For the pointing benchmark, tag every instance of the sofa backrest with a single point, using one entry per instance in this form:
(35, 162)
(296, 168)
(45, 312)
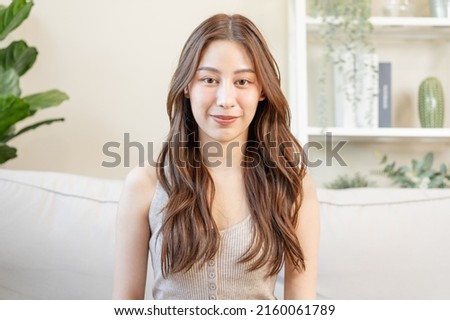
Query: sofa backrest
(384, 244)
(57, 240)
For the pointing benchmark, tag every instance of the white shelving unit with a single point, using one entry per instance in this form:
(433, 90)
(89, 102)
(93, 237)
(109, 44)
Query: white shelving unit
(380, 133)
(402, 27)
(397, 28)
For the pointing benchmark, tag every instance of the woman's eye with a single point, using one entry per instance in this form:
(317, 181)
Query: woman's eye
(209, 80)
(242, 82)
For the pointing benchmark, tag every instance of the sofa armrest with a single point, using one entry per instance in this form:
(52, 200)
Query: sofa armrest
(57, 235)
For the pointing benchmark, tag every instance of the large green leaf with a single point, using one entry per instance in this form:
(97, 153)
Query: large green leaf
(32, 127)
(12, 110)
(7, 153)
(19, 56)
(46, 99)
(12, 16)
(9, 82)
(6, 135)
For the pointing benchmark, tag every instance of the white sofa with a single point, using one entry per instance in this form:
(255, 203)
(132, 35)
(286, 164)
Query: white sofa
(57, 240)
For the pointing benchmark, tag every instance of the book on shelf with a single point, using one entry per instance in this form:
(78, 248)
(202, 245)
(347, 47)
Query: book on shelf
(356, 90)
(384, 95)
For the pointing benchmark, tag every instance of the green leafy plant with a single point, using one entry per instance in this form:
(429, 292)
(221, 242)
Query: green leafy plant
(346, 32)
(345, 182)
(15, 60)
(419, 175)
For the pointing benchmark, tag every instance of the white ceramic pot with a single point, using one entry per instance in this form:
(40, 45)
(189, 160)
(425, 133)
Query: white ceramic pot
(439, 8)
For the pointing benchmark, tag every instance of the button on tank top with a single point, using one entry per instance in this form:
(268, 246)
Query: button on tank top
(220, 278)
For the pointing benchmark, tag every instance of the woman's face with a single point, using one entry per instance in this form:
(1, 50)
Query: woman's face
(224, 93)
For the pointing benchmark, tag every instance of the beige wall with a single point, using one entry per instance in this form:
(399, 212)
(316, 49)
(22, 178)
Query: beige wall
(115, 59)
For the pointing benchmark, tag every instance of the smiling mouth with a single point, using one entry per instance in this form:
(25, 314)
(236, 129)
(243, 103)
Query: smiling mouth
(223, 120)
(224, 117)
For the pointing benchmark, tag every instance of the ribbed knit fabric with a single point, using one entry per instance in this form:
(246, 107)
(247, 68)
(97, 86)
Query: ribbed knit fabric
(221, 278)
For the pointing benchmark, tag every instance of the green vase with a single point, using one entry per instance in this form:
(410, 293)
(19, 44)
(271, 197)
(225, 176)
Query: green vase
(431, 103)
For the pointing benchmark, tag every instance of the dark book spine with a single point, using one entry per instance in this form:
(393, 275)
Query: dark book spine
(384, 95)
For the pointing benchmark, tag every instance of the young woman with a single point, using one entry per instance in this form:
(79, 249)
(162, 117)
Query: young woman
(230, 202)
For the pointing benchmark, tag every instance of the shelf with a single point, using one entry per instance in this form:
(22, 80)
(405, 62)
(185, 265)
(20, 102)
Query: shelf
(416, 47)
(404, 27)
(381, 133)
(410, 22)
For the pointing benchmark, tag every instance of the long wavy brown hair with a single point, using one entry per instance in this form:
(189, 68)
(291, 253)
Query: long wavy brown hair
(273, 169)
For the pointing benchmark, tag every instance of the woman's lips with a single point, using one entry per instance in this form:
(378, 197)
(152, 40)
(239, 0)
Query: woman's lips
(224, 120)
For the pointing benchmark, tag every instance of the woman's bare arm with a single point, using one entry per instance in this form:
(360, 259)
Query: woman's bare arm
(303, 285)
(133, 234)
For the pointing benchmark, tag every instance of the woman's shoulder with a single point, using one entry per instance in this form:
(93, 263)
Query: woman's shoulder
(308, 183)
(139, 187)
(141, 178)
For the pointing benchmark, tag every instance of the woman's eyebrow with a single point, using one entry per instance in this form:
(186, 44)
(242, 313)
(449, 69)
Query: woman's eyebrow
(208, 69)
(245, 70)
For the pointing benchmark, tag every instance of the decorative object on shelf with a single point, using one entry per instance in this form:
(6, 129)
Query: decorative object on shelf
(356, 89)
(439, 8)
(15, 60)
(348, 48)
(384, 95)
(398, 8)
(431, 103)
(346, 182)
(419, 175)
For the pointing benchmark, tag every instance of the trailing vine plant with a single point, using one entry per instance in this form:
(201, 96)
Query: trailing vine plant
(345, 30)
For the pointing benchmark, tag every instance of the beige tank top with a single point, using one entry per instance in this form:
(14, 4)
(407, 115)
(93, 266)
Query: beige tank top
(220, 278)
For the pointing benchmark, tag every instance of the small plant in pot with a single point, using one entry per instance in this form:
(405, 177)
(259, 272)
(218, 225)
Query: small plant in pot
(346, 182)
(420, 174)
(15, 60)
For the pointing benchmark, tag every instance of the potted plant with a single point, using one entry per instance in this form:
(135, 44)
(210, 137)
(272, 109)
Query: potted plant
(346, 32)
(15, 60)
(421, 174)
(345, 182)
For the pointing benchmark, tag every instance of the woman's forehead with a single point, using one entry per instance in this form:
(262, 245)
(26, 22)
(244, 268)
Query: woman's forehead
(226, 54)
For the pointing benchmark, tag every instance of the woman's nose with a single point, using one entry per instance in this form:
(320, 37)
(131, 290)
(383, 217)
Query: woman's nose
(226, 95)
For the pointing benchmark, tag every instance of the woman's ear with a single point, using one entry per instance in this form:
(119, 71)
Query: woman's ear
(186, 93)
(262, 96)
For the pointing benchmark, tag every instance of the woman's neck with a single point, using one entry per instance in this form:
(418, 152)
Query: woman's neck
(222, 156)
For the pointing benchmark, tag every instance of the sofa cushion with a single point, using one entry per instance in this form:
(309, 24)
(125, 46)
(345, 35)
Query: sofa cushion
(57, 240)
(56, 235)
(384, 244)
